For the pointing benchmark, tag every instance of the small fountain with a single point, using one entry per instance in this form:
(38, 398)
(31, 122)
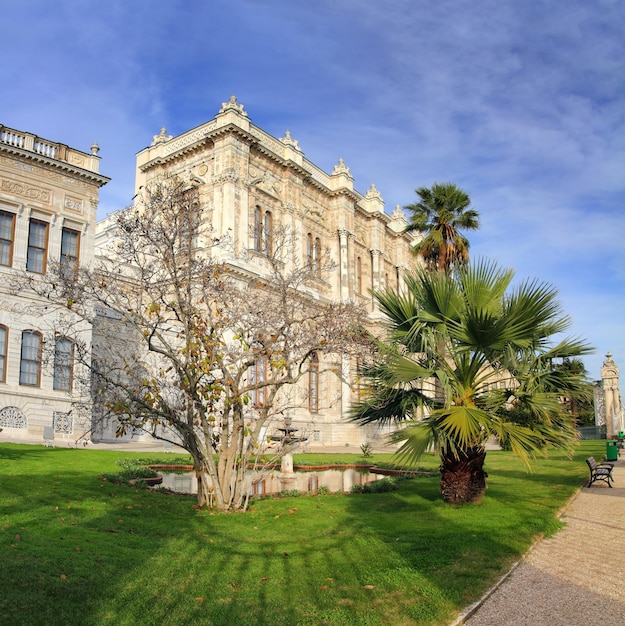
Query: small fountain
(289, 440)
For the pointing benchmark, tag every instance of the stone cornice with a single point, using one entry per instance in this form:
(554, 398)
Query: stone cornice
(57, 164)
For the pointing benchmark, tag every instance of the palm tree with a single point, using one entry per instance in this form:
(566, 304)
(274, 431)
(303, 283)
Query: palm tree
(440, 214)
(490, 353)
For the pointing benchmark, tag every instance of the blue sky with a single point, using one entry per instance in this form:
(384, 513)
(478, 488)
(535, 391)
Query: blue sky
(522, 104)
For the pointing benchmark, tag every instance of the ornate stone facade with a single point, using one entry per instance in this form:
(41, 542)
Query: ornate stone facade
(242, 173)
(48, 199)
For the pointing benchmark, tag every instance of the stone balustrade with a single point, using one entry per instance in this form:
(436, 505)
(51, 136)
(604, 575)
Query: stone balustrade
(50, 149)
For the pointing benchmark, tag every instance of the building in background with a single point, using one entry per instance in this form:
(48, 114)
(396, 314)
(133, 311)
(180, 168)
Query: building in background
(48, 200)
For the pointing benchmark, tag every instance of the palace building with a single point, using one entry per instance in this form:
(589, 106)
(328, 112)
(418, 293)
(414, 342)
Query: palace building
(48, 202)
(250, 185)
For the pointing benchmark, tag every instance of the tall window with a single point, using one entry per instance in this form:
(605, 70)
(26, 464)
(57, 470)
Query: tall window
(30, 362)
(358, 275)
(4, 336)
(313, 384)
(63, 364)
(70, 245)
(267, 231)
(258, 229)
(37, 246)
(258, 374)
(7, 232)
(263, 230)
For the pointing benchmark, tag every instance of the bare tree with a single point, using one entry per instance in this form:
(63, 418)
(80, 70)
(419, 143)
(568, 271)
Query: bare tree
(193, 350)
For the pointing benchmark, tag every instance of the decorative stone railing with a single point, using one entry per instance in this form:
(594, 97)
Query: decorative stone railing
(50, 149)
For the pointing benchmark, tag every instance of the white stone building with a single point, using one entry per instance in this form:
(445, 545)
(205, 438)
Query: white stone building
(48, 201)
(251, 183)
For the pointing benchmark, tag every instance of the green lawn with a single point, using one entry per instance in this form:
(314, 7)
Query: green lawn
(75, 549)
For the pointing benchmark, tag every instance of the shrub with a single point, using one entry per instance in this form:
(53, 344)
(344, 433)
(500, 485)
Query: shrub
(377, 486)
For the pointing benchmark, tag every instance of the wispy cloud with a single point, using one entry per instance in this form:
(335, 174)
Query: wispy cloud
(520, 103)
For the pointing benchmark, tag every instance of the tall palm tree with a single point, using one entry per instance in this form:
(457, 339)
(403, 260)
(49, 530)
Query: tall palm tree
(464, 358)
(440, 214)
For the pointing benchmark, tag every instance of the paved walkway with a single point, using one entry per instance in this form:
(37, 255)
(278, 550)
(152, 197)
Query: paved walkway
(576, 577)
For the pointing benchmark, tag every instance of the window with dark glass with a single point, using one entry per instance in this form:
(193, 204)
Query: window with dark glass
(258, 229)
(63, 364)
(258, 374)
(267, 233)
(263, 231)
(7, 233)
(30, 361)
(70, 245)
(37, 246)
(313, 384)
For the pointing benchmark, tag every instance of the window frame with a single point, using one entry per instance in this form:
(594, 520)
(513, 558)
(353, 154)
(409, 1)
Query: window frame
(43, 250)
(313, 383)
(4, 350)
(7, 243)
(258, 228)
(24, 360)
(259, 374)
(63, 371)
(70, 262)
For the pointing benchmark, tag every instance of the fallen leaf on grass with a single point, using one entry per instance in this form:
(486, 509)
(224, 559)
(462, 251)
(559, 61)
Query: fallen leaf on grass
(63, 577)
(368, 586)
(199, 599)
(17, 537)
(265, 578)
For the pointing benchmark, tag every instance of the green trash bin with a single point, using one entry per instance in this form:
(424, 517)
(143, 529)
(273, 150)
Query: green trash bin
(611, 450)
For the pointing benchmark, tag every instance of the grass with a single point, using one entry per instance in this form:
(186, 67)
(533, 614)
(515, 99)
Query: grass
(77, 549)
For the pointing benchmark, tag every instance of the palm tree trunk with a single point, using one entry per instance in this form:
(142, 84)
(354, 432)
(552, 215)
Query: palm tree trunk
(463, 479)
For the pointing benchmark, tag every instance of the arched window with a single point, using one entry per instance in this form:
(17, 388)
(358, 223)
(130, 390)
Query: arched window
(313, 384)
(263, 229)
(258, 229)
(4, 342)
(309, 251)
(267, 232)
(258, 374)
(30, 361)
(63, 364)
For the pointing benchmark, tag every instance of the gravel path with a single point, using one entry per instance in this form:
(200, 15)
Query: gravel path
(576, 577)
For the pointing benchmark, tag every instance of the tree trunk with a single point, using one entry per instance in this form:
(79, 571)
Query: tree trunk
(463, 480)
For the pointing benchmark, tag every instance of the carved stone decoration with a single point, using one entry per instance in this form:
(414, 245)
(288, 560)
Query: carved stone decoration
(233, 105)
(341, 168)
(162, 137)
(12, 417)
(287, 140)
(62, 422)
(26, 191)
(613, 413)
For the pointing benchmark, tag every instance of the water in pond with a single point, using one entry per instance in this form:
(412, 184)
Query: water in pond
(275, 482)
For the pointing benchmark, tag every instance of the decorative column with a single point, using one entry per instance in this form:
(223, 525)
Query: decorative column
(375, 272)
(344, 263)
